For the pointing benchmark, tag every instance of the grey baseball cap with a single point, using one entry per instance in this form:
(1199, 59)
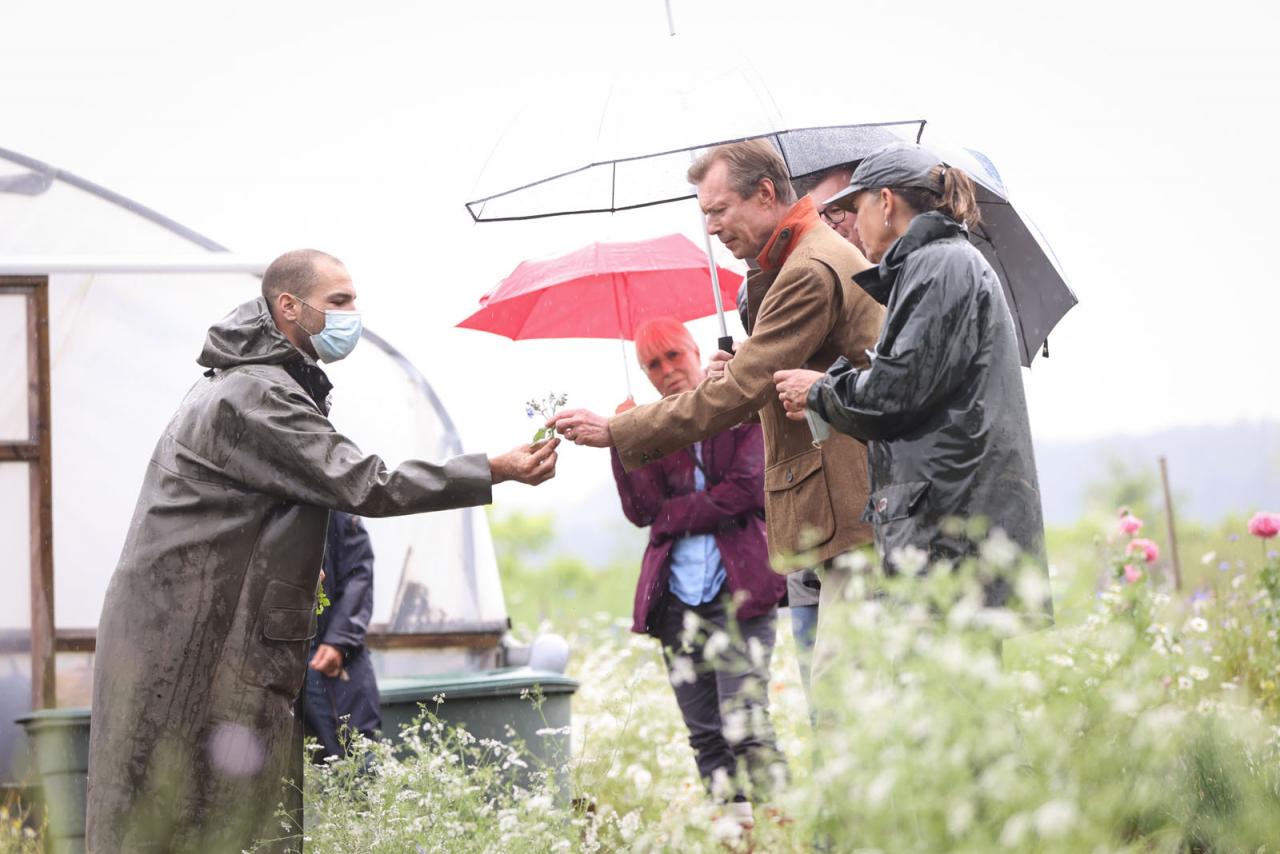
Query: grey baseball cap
(898, 164)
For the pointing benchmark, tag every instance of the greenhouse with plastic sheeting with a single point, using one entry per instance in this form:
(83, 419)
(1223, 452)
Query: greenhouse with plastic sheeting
(104, 305)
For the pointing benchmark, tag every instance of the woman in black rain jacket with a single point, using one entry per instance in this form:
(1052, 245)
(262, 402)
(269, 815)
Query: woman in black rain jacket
(941, 406)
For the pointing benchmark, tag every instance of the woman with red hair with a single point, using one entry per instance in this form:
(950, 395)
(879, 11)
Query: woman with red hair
(706, 567)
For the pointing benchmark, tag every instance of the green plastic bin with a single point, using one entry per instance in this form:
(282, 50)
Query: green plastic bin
(60, 742)
(487, 702)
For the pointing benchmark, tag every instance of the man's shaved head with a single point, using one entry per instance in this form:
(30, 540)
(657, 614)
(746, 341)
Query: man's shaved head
(295, 273)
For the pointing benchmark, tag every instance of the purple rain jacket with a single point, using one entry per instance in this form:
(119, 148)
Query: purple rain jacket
(662, 497)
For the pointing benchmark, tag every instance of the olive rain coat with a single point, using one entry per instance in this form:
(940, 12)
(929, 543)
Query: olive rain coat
(203, 641)
(942, 406)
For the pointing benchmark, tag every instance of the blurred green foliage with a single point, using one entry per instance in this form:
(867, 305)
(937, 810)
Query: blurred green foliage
(560, 589)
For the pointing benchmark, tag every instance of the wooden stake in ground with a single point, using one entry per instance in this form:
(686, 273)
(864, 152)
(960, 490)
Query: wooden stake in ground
(1173, 533)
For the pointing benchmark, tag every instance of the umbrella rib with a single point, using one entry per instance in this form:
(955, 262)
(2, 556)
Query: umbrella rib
(636, 206)
(616, 160)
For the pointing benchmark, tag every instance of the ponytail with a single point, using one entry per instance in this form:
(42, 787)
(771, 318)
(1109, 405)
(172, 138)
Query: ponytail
(958, 199)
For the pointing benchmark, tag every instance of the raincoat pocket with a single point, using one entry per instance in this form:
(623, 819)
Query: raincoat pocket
(894, 502)
(276, 653)
(895, 513)
(798, 503)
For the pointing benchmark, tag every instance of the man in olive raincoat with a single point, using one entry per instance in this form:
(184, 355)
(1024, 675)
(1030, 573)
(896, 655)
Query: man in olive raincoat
(203, 641)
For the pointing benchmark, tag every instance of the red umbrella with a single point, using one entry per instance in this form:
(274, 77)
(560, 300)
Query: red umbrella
(604, 290)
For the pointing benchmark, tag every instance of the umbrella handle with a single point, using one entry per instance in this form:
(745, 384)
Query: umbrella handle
(725, 343)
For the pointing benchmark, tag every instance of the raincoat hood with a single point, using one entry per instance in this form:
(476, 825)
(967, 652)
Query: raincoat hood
(247, 336)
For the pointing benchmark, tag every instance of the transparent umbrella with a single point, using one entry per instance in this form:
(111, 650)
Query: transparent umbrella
(634, 150)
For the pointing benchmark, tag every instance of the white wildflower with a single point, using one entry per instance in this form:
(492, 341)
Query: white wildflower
(721, 785)
(1208, 558)
(629, 825)
(962, 613)
(999, 550)
(1126, 703)
(880, 788)
(909, 560)
(1197, 673)
(682, 672)
(735, 726)
(1015, 830)
(1155, 725)
(755, 651)
(1032, 588)
(960, 818)
(1055, 818)
(1198, 624)
(540, 803)
(726, 830)
(689, 628)
(854, 562)
(640, 777)
(1064, 661)
(1237, 582)
(716, 644)
(999, 621)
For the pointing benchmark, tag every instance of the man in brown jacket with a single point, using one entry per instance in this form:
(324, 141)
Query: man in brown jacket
(803, 309)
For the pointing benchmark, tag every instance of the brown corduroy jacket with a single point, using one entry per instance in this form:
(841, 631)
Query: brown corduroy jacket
(804, 314)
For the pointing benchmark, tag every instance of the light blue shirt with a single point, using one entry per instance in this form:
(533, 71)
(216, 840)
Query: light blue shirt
(697, 570)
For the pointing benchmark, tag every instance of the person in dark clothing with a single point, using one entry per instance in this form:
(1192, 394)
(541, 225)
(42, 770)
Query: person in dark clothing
(342, 689)
(941, 405)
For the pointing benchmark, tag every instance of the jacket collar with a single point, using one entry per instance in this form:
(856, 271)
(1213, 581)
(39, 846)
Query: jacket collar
(801, 217)
(925, 228)
(314, 381)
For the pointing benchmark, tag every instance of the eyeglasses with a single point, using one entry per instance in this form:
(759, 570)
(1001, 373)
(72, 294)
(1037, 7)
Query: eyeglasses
(832, 214)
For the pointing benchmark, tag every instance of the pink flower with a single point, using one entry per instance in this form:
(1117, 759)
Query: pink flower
(1150, 551)
(1131, 573)
(1265, 525)
(1130, 524)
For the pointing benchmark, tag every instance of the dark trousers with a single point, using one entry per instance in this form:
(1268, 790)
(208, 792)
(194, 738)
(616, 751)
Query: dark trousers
(329, 704)
(724, 701)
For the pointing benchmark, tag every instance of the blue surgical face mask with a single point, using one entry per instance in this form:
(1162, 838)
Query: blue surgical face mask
(340, 335)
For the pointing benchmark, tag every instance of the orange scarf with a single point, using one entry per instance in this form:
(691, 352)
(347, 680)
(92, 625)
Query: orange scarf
(802, 216)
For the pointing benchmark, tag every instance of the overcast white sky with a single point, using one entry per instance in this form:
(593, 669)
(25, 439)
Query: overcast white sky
(1140, 136)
